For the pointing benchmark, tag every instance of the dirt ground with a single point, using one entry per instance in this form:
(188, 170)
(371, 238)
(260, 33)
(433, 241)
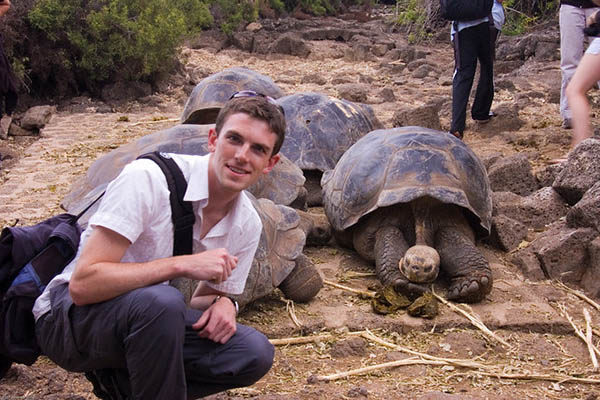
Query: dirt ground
(531, 350)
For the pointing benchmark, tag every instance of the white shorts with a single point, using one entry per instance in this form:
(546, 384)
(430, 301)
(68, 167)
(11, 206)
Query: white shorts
(594, 47)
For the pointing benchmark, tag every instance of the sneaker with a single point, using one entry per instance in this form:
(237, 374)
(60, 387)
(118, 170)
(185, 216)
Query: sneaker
(4, 125)
(567, 124)
(105, 386)
(485, 121)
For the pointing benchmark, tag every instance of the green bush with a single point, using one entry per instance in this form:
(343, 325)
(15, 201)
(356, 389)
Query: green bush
(522, 15)
(131, 39)
(235, 12)
(412, 17)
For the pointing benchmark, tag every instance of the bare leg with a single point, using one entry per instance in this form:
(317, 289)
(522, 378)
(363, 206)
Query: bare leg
(586, 75)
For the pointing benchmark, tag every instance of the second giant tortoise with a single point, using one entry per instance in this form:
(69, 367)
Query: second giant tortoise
(213, 92)
(279, 261)
(283, 185)
(319, 129)
(413, 200)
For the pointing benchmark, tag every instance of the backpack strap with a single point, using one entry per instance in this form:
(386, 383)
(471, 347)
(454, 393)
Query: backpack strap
(182, 213)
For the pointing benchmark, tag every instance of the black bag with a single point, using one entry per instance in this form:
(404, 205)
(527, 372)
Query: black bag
(465, 10)
(31, 256)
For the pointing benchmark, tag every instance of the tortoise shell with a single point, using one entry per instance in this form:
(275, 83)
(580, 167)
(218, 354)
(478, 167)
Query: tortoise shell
(283, 184)
(320, 128)
(214, 91)
(398, 165)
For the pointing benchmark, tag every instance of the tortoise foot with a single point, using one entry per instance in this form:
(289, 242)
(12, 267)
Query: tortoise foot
(303, 283)
(470, 289)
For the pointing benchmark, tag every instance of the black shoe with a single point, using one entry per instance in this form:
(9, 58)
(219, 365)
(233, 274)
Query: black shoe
(105, 384)
(486, 120)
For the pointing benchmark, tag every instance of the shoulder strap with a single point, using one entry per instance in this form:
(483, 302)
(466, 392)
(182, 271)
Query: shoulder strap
(182, 212)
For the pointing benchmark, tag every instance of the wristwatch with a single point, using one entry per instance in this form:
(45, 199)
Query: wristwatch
(235, 303)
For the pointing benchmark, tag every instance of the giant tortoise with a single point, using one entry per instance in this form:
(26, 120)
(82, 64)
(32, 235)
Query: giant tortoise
(319, 129)
(279, 261)
(283, 185)
(413, 200)
(212, 93)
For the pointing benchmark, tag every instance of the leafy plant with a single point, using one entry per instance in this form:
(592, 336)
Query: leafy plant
(130, 38)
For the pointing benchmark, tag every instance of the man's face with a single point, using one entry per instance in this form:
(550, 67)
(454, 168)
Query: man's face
(242, 151)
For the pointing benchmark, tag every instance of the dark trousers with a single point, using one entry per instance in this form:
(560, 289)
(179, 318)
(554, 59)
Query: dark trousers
(146, 334)
(10, 102)
(470, 45)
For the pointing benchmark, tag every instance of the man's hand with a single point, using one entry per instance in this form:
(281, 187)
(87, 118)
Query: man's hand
(214, 265)
(217, 323)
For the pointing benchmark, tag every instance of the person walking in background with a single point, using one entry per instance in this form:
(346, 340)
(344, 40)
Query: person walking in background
(586, 75)
(572, 20)
(8, 87)
(474, 40)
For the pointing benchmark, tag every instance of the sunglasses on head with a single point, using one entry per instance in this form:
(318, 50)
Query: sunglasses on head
(252, 93)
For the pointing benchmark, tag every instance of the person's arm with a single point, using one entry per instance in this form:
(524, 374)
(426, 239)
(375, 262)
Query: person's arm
(593, 19)
(100, 275)
(4, 7)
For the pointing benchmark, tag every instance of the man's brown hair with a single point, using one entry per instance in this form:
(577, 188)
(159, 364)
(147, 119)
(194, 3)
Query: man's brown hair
(257, 107)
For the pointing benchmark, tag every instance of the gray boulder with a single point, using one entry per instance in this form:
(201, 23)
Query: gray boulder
(586, 213)
(580, 172)
(590, 281)
(506, 233)
(36, 117)
(535, 211)
(513, 174)
(563, 252)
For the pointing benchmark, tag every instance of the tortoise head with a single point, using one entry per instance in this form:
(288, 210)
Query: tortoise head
(420, 264)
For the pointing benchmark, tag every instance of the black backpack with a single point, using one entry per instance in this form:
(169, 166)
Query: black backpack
(465, 10)
(31, 256)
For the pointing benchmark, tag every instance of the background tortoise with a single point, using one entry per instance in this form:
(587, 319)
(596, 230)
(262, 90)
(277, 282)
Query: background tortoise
(415, 186)
(278, 262)
(283, 185)
(319, 129)
(213, 92)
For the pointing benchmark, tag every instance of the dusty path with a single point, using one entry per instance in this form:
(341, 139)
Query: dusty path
(522, 314)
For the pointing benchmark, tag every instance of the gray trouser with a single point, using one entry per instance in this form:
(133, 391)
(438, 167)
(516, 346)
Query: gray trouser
(147, 334)
(572, 46)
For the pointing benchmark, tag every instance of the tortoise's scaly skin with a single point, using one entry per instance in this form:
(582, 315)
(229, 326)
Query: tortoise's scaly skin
(400, 187)
(319, 129)
(215, 90)
(278, 261)
(283, 185)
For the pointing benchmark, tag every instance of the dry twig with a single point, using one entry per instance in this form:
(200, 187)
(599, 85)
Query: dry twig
(588, 338)
(578, 294)
(578, 332)
(474, 320)
(156, 121)
(300, 340)
(360, 371)
(458, 362)
(349, 289)
(289, 306)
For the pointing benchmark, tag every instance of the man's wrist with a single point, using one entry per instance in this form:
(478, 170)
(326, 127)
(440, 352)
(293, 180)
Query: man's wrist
(235, 303)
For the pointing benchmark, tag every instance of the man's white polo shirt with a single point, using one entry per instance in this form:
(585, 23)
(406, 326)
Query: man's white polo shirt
(137, 206)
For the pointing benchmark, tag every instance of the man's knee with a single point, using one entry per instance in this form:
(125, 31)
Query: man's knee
(158, 303)
(261, 352)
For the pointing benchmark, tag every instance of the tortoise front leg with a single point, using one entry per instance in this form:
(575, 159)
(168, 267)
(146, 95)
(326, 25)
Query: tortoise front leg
(468, 270)
(390, 247)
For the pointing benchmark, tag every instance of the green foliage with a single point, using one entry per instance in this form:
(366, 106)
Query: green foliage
(137, 38)
(277, 5)
(235, 12)
(522, 15)
(412, 16)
